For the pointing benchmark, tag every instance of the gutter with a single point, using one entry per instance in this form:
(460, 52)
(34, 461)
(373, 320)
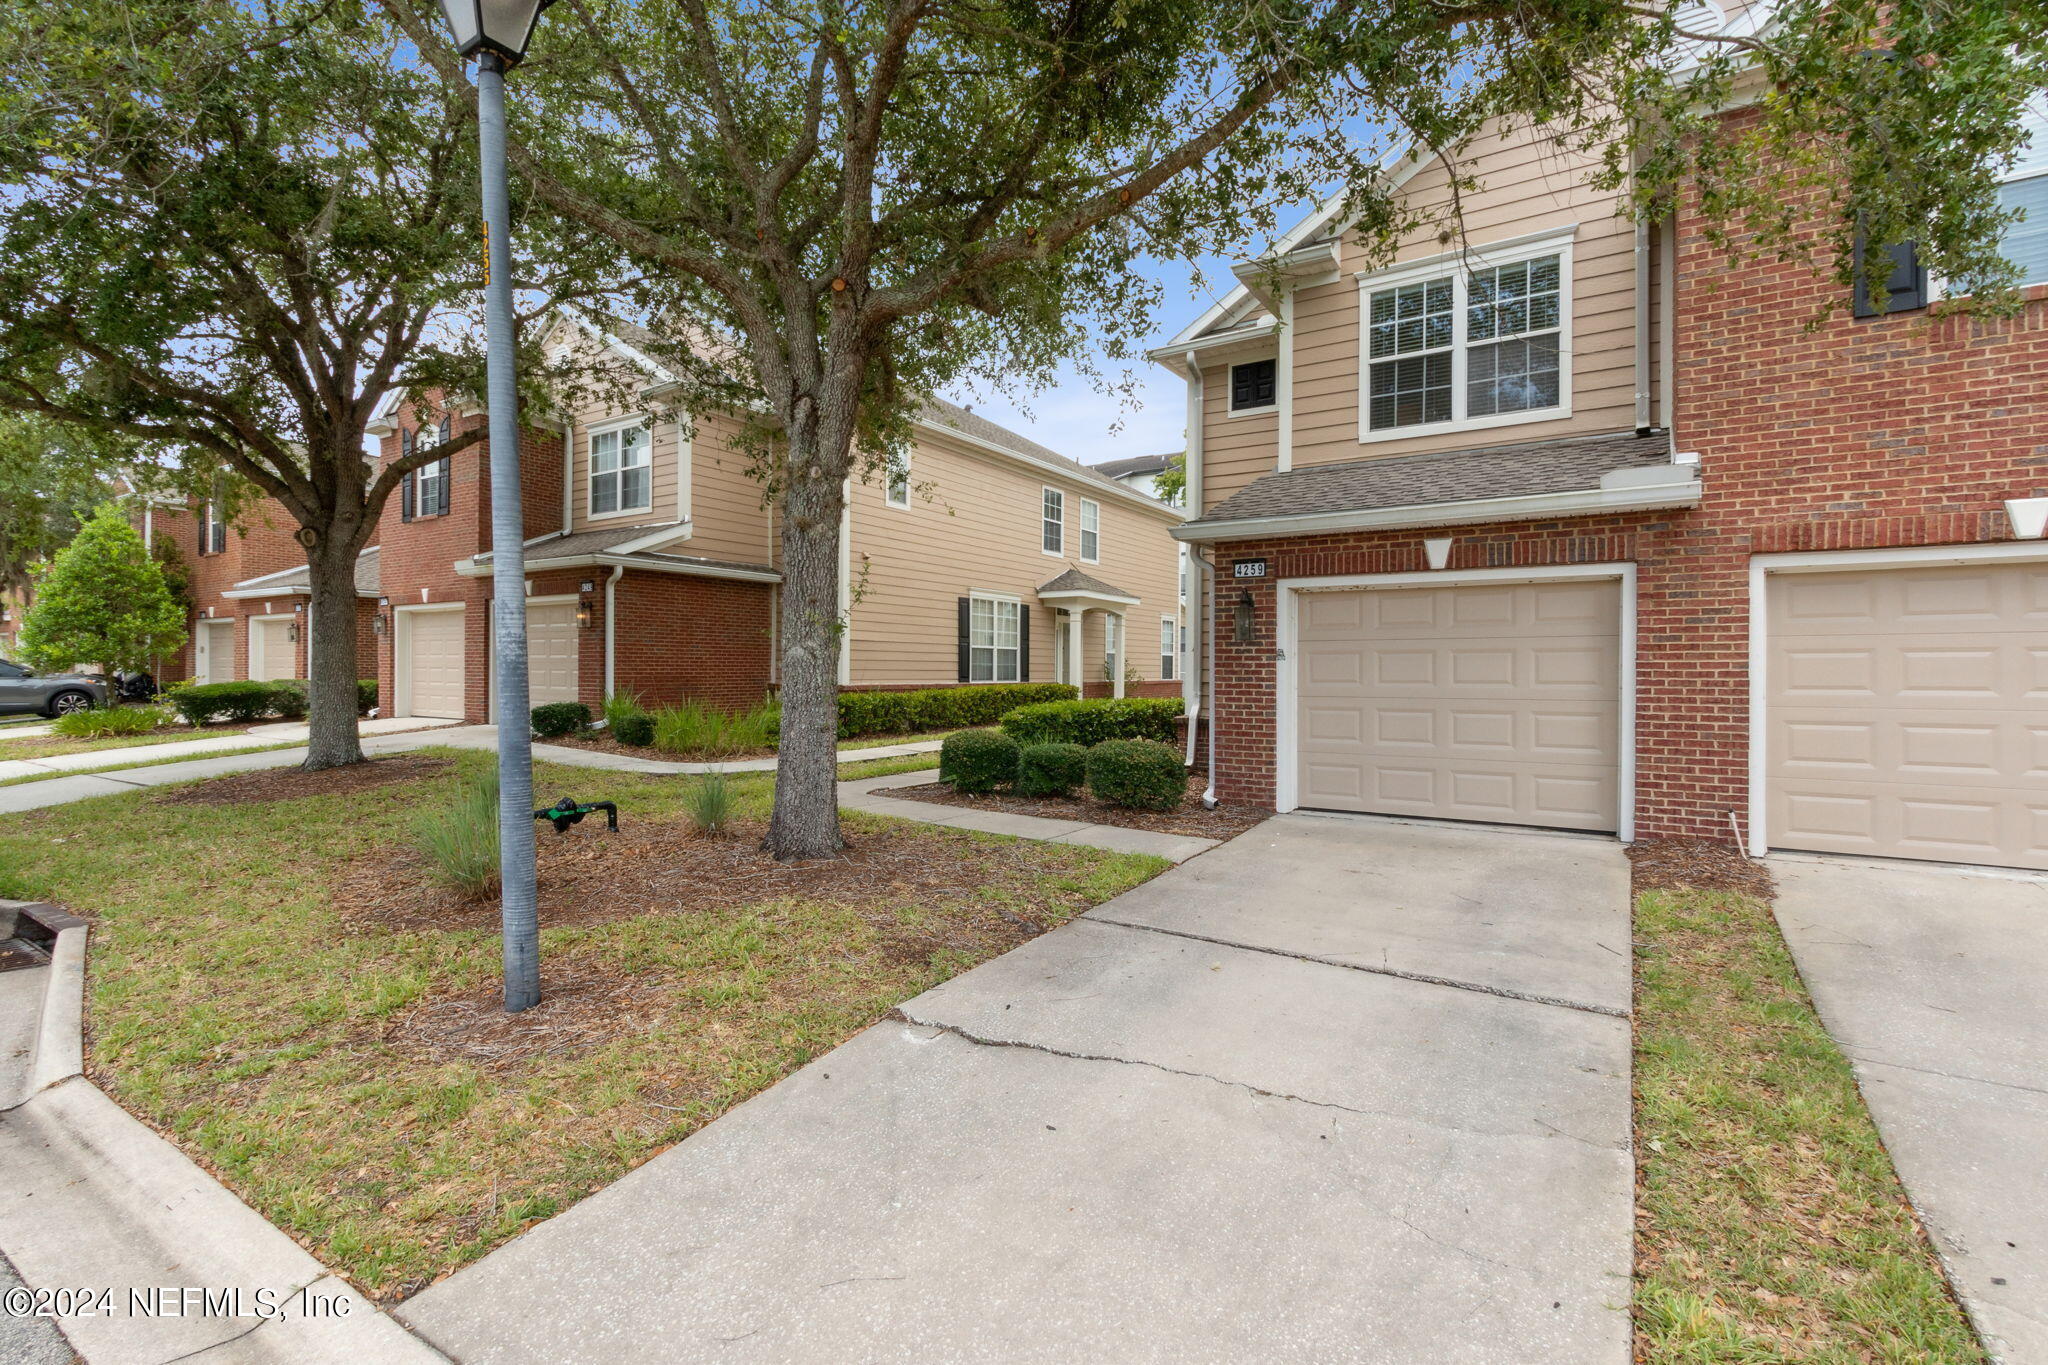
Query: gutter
(1667, 492)
(611, 616)
(470, 568)
(1205, 668)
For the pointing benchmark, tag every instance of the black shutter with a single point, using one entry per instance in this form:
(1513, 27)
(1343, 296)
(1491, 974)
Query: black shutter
(1023, 643)
(218, 530)
(445, 428)
(205, 528)
(405, 498)
(966, 638)
(1905, 286)
(441, 488)
(1253, 384)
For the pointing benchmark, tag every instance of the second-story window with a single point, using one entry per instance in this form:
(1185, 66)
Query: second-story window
(431, 488)
(1474, 346)
(1054, 532)
(621, 472)
(896, 490)
(1254, 385)
(2025, 242)
(1091, 531)
(213, 532)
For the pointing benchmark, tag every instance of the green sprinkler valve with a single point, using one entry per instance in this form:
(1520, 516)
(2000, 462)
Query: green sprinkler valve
(569, 811)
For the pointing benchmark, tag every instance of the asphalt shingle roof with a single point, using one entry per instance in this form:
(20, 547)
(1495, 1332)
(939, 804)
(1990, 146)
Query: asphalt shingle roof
(1499, 471)
(1073, 580)
(1136, 464)
(606, 541)
(300, 579)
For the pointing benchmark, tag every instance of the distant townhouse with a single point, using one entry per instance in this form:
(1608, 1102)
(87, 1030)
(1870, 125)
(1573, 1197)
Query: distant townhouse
(1572, 524)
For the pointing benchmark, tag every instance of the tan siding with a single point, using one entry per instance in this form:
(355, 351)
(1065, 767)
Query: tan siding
(973, 526)
(1528, 185)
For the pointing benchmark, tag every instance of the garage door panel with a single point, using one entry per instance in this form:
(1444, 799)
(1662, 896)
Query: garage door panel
(1919, 730)
(551, 653)
(437, 673)
(1497, 703)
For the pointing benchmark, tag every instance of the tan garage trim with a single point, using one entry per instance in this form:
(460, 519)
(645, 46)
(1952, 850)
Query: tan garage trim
(431, 661)
(1501, 695)
(1904, 708)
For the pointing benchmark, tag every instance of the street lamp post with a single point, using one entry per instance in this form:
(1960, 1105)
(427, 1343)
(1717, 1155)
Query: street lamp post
(496, 32)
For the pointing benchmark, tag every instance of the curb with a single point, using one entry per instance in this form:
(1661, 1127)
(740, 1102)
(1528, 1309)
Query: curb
(58, 1052)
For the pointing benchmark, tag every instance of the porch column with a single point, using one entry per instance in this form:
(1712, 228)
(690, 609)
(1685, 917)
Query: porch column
(1077, 668)
(1123, 645)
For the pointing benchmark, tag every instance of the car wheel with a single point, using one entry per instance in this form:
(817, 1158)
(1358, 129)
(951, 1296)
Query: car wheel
(70, 703)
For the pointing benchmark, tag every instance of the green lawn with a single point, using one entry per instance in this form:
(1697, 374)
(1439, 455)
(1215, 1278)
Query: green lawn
(235, 1006)
(124, 765)
(1772, 1227)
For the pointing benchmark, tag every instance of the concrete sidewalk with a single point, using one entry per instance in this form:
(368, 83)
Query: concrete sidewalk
(256, 737)
(871, 794)
(1931, 980)
(1304, 1098)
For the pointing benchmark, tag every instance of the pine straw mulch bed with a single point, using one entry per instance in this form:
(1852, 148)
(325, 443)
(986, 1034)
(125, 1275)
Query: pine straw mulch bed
(1699, 865)
(1224, 822)
(286, 784)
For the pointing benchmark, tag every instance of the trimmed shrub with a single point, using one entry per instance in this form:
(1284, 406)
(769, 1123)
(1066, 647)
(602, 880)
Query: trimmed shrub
(229, 701)
(104, 722)
(366, 696)
(978, 760)
(939, 708)
(1050, 769)
(635, 728)
(1140, 773)
(460, 840)
(559, 718)
(619, 705)
(288, 699)
(709, 801)
(1088, 723)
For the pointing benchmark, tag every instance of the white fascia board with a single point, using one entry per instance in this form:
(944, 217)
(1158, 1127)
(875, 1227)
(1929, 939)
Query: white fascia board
(282, 590)
(1172, 356)
(1109, 486)
(470, 568)
(1084, 598)
(1679, 493)
(1297, 267)
(261, 579)
(623, 349)
(655, 539)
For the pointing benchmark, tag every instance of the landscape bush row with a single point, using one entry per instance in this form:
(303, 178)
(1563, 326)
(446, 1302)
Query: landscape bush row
(209, 703)
(1141, 774)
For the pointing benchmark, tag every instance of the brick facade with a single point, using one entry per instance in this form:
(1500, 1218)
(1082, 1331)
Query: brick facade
(1868, 433)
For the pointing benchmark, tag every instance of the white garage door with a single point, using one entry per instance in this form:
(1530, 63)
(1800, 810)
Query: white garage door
(213, 652)
(551, 652)
(436, 665)
(1908, 713)
(1498, 702)
(272, 655)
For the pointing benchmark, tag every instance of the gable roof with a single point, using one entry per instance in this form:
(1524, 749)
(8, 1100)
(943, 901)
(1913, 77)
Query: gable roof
(1074, 583)
(296, 581)
(1137, 464)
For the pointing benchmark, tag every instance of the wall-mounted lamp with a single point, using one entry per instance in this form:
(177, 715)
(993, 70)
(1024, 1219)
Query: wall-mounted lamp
(585, 616)
(1247, 624)
(291, 632)
(380, 624)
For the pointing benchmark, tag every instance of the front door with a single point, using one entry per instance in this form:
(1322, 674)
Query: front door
(213, 651)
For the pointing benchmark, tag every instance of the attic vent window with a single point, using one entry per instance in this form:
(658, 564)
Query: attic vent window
(1253, 385)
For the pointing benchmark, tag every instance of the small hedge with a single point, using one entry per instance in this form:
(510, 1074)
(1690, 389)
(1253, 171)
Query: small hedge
(978, 760)
(635, 728)
(1050, 769)
(1140, 773)
(366, 696)
(939, 708)
(104, 722)
(1089, 723)
(232, 701)
(288, 699)
(558, 718)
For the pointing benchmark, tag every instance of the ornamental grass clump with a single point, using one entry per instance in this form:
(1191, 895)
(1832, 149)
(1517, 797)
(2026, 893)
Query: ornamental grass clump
(106, 722)
(460, 840)
(1141, 774)
(1050, 769)
(709, 803)
(978, 760)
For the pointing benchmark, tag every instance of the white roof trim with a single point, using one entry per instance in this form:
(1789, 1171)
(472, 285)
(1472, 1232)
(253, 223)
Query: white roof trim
(1107, 485)
(624, 348)
(469, 568)
(1643, 497)
(655, 539)
(1061, 595)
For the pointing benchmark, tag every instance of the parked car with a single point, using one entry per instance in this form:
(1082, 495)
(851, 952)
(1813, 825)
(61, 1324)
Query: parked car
(54, 694)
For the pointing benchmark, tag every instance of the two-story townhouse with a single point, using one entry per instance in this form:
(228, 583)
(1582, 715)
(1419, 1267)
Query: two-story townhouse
(652, 560)
(1571, 523)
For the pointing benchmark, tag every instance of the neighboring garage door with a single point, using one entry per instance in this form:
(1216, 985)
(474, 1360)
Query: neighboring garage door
(436, 666)
(1498, 702)
(214, 652)
(272, 656)
(551, 653)
(1908, 713)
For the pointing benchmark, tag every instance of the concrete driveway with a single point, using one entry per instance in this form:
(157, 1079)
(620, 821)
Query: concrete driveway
(1935, 982)
(1339, 1090)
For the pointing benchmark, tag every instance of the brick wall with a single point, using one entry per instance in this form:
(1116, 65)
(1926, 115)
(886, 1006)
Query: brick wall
(1855, 434)
(681, 636)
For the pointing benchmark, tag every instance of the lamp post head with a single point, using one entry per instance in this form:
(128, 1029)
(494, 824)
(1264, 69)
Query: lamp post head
(500, 28)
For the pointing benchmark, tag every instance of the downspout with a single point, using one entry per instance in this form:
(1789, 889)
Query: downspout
(569, 497)
(611, 616)
(1191, 494)
(1209, 664)
(1643, 422)
(1667, 298)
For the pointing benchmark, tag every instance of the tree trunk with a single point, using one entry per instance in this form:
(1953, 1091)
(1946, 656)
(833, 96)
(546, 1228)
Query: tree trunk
(805, 823)
(331, 660)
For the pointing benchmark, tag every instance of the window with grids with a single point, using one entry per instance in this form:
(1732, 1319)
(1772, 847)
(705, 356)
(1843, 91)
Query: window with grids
(430, 484)
(1112, 647)
(992, 644)
(1169, 648)
(1054, 537)
(896, 492)
(1483, 344)
(621, 471)
(1091, 531)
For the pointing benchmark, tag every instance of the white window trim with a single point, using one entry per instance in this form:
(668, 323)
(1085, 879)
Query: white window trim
(1169, 659)
(888, 478)
(1003, 598)
(1286, 776)
(1458, 267)
(1081, 531)
(419, 486)
(606, 428)
(1060, 553)
(1230, 408)
(1761, 567)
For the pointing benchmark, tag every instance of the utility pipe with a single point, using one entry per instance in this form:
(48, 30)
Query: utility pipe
(1208, 663)
(611, 615)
